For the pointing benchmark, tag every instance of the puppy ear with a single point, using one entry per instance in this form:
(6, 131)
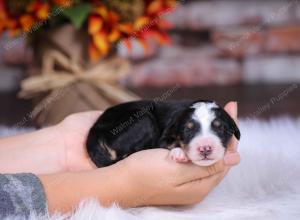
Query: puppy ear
(233, 126)
(168, 137)
(235, 129)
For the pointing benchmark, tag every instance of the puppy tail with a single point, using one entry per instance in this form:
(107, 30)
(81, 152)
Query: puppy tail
(99, 153)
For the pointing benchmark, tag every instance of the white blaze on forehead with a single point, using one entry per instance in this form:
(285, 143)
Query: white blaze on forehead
(204, 115)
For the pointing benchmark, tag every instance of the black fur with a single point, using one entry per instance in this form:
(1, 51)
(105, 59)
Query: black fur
(134, 126)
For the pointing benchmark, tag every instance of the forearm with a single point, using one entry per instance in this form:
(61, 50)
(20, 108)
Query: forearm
(65, 190)
(36, 152)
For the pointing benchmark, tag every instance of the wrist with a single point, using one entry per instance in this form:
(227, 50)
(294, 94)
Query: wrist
(36, 152)
(47, 150)
(72, 142)
(56, 147)
(64, 191)
(115, 184)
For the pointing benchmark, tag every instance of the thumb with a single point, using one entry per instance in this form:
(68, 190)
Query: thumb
(232, 157)
(232, 109)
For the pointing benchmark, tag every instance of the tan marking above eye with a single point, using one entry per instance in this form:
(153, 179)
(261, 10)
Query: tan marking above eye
(217, 123)
(190, 125)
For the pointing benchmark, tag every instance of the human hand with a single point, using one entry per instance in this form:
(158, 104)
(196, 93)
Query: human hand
(151, 177)
(232, 157)
(131, 182)
(169, 183)
(73, 131)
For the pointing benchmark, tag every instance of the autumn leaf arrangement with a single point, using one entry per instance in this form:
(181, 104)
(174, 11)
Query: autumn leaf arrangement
(107, 22)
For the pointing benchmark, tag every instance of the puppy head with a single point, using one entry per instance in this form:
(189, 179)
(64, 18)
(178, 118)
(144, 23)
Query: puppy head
(204, 131)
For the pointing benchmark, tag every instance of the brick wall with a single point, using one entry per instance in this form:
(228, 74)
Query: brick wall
(227, 42)
(215, 42)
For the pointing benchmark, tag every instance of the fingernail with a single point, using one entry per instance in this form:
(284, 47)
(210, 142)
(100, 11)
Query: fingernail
(236, 108)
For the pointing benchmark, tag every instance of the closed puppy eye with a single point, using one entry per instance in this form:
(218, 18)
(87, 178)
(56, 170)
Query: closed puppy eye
(189, 125)
(217, 123)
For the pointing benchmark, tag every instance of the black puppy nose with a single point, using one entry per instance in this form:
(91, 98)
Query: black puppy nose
(205, 150)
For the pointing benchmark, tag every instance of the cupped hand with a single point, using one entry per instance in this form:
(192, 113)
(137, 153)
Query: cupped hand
(154, 179)
(149, 177)
(232, 157)
(73, 131)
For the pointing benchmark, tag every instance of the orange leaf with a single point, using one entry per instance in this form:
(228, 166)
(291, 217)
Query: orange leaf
(11, 24)
(171, 4)
(114, 35)
(141, 22)
(101, 43)
(161, 37)
(26, 22)
(126, 28)
(2, 20)
(95, 24)
(43, 11)
(113, 17)
(63, 3)
(164, 24)
(102, 11)
(32, 7)
(155, 7)
(94, 53)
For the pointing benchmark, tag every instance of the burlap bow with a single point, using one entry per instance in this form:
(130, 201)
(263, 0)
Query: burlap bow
(105, 76)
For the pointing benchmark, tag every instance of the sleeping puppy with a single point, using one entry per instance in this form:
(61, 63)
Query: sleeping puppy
(196, 131)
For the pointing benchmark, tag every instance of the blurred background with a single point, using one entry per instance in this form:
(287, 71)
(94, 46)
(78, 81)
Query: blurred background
(248, 51)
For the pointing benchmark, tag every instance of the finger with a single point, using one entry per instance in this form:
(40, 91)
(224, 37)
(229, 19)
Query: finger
(232, 109)
(232, 145)
(212, 181)
(195, 191)
(232, 159)
(190, 172)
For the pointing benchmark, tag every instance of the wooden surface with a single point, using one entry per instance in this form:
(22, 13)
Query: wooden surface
(254, 101)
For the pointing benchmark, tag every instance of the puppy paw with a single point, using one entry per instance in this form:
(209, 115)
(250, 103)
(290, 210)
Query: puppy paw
(178, 155)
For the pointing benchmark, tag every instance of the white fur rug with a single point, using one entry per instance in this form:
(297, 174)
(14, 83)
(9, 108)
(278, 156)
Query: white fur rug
(265, 186)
